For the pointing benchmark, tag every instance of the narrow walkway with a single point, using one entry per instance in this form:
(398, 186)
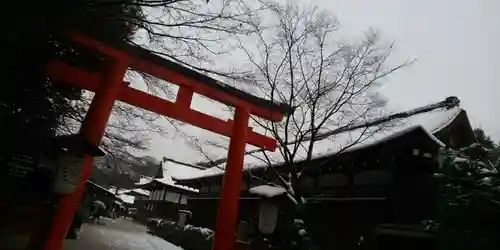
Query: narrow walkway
(117, 235)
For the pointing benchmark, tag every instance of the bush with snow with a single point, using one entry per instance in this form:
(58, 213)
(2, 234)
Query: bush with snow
(469, 206)
(188, 237)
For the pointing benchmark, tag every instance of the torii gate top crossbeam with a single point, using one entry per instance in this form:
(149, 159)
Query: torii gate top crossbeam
(189, 82)
(145, 61)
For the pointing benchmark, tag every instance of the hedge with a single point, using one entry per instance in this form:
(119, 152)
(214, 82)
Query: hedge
(188, 237)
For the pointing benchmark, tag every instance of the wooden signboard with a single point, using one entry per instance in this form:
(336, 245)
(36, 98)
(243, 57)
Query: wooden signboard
(24, 174)
(20, 166)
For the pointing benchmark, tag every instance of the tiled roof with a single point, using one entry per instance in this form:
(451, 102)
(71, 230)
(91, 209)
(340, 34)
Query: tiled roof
(432, 122)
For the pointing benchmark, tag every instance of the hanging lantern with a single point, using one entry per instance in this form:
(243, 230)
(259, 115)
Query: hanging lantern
(70, 152)
(67, 173)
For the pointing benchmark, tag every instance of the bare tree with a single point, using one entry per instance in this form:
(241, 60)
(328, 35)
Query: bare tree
(192, 33)
(298, 58)
(195, 34)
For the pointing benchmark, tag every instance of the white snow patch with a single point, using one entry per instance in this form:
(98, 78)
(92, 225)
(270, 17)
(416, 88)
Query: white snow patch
(291, 198)
(303, 200)
(129, 199)
(487, 171)
(438, 175)
(168, 169)
(144, 180)
(461, 160)
(128, 191)
(167, 180)
(267, 191)
(486, 180)
(141, 191)
(134, 240)
(120, 190)
(298, 222)
(205, 231)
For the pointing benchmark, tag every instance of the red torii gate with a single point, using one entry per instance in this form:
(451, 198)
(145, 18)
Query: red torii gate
(108, 86)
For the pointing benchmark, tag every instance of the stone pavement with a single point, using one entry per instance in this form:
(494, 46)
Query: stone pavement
(117, 234)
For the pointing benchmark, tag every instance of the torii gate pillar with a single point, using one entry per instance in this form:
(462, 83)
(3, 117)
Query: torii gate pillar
(93, 129)
(227, 215)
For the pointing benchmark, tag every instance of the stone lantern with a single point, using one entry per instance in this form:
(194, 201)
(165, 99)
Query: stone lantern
(269, 206)
(268, 216)
(183, 216)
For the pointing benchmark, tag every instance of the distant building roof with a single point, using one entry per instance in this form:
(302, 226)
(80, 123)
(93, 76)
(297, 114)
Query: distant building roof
(431, 122)
(144, 180)
(100, 187)
(128, 191)
(138, 191)
(112, 189)
(166, 180)
(141, 191)
(129, 199)
(170, 182)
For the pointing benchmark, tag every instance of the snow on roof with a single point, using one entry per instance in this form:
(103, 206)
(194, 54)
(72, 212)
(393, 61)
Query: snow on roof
(99, 186)
(141, 191)
(170, 168)
(136, 190)
(432, 122)
(144, 180)
(129, 199)
(127, 191)
(267, 191)
(120, 190)
(167, 180)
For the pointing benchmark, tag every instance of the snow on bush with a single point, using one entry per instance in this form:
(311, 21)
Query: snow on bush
(188, 237)
(205, 231)
(469, 200)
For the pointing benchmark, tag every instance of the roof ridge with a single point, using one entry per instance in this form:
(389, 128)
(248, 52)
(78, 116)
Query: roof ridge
(449, 103)
(438, 117)
(460, 110)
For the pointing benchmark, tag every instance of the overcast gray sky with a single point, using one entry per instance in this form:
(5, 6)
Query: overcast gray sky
(456, 44)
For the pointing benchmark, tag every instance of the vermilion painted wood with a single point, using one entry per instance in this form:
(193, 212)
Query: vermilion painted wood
(110, 87)
(93, 129)
(177, 78)
(227, 215)
(179, 110)
(184, 97)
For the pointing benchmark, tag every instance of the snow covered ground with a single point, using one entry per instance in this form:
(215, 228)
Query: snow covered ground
(117, 235)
